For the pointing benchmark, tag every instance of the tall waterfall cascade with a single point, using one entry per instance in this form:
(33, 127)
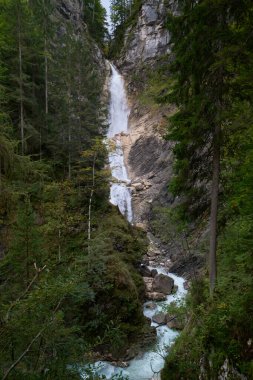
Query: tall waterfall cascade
(147, 365)
(120, 194)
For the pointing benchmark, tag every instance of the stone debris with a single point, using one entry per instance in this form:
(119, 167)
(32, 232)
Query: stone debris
(148, 281)
(168, 263)
(153, 273)
(152, 251)
(160, 318)
(163, 284)
(138, 186)
(151, 305)
(155, 296)
(145, 271)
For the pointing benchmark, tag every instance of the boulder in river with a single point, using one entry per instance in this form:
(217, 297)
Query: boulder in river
(186, 285)
(154, 272)
(175, 289)
(148, 281)
(151, 305)
(174, 323)
(156, 296)
(120, 364)
(145, 271)
(160, 319)
(163, 284)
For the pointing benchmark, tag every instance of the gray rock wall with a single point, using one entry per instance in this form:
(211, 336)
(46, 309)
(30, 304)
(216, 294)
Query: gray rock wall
(149, 38)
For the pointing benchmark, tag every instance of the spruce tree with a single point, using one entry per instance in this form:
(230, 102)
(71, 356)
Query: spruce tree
(201, 35)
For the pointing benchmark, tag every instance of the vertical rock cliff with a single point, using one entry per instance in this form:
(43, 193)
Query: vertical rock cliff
(149, 156)
(148, 39)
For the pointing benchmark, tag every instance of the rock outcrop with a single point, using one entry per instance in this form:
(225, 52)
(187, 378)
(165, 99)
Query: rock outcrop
(174, 323)
(149, 38)
(155, 296)
(163, 284)
(71, 10)
(149, 162)
(159, 318)
(159, 286)
(148, 155)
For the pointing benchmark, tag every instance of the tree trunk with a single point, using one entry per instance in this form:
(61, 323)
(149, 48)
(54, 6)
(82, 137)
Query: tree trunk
(21, 85)
(59, 244)
(90, 200)
(46, 78)
(93, 13)
(214, 208)
(0, 174)
(69, 153)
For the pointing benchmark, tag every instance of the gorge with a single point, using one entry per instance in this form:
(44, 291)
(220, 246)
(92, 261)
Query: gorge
(147, 365)
(126, 190)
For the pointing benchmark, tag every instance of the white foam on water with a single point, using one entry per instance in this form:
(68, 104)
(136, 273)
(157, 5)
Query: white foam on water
(120, 194)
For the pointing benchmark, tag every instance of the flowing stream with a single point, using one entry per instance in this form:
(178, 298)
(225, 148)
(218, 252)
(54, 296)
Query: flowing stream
(147, 365)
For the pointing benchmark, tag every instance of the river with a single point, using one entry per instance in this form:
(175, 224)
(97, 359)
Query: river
(148, 365)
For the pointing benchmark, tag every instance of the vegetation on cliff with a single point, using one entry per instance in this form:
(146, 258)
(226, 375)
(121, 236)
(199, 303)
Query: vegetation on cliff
(124, 15)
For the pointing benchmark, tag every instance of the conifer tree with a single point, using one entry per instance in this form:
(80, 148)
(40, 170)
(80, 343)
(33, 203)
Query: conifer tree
(200, 35)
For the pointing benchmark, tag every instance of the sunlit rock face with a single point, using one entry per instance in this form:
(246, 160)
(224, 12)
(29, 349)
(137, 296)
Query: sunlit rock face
(149, 38)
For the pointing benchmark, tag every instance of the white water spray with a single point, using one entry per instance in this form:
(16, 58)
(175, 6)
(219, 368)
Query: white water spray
(120, 194)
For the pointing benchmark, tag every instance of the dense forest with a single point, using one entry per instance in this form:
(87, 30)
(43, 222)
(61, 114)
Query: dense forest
(212, 87)
(63, 269)
(70, 285)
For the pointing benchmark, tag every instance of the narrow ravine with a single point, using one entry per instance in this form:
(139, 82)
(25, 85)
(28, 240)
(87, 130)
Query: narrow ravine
(147, 365)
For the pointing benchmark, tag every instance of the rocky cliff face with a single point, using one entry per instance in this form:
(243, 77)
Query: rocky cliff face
(71, 10)
(149, 38)
(149, 160)
(148, 155)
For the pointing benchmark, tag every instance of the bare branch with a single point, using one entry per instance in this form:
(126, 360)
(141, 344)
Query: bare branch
(38, 271)
(31, 343)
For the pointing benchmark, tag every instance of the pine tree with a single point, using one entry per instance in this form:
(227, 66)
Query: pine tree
(201, 37)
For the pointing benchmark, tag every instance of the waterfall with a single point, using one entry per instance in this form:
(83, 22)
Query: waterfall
(148, 364)
(120, 194)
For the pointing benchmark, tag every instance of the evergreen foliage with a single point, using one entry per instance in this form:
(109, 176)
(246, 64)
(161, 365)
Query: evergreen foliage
(62, 279)
(212, 57)
(124, 14)
(95, 18)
